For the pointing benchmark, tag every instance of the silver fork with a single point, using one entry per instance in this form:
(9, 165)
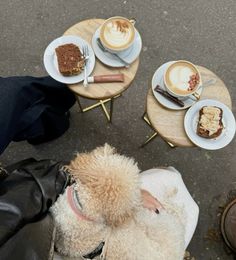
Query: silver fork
(85, 52)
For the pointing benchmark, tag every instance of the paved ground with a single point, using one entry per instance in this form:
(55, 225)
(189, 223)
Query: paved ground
(203, 32)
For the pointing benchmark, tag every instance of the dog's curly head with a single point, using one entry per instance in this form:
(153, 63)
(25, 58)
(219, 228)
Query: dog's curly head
(111, 183)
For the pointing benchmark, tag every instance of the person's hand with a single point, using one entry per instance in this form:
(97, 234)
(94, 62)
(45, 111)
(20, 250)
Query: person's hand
(150, 202)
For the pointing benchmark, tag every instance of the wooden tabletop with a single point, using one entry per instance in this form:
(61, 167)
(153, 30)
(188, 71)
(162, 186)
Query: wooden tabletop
(170, 123)
(85, 30)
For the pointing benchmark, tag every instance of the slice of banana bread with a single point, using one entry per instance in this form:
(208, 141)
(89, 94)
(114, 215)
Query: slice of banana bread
(210, 122)
(70, 59)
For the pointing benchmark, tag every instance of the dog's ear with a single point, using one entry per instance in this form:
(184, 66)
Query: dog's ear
(78, 166)
(120, 190)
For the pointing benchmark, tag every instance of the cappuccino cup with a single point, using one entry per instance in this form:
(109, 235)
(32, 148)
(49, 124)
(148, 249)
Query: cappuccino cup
(182, 79)
(117, 34)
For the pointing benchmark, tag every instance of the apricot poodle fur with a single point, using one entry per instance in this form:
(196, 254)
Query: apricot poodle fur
(107, 187)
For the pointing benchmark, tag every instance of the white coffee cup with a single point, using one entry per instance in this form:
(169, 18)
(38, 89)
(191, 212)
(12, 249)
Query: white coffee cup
(182, 79)
(117, 34)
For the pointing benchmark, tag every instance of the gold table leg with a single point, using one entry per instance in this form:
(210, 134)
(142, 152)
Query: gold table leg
(78, 101)
(149, 139)
(146, 119)
(105, 110)
(102, 104)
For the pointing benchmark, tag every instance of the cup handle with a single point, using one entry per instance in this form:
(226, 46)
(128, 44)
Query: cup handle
(133, 21)
(196, 95)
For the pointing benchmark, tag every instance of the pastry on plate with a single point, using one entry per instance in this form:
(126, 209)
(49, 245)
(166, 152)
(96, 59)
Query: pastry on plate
(70, 59)
(210, 122)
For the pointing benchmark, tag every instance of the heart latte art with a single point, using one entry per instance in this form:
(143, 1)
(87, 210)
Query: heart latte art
(117, 34)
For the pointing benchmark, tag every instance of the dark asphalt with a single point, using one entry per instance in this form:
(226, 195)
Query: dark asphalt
(200, 31)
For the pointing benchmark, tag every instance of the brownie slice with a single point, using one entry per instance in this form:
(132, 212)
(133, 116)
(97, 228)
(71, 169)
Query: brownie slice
(70, 59)
(210, 122)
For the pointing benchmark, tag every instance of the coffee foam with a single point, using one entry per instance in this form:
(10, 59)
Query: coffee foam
(178, 77)
(118, 33)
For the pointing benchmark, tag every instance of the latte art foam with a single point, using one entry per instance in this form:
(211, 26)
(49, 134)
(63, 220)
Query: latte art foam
(118, 34)
(179, 77)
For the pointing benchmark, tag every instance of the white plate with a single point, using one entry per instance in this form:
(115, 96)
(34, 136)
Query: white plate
(129, 55)
(191, 121)
(50, 59)
(158, 79)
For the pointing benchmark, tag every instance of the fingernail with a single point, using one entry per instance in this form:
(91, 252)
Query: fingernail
(157, 211)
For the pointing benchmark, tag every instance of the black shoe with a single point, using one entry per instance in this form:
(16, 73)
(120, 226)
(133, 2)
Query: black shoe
(52, 129)
(68, 114)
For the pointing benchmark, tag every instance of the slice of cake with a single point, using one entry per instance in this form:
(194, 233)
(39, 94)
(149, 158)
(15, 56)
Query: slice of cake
(210, 122)
(70, 59)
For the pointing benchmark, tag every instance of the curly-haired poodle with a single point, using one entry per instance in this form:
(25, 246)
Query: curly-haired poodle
(101, 215)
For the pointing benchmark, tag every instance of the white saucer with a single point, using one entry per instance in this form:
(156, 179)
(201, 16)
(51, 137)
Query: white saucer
(158, 79)
(129, 55)
(50, 59)
(191, 121)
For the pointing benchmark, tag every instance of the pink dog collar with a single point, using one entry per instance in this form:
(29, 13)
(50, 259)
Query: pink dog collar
(71, 200)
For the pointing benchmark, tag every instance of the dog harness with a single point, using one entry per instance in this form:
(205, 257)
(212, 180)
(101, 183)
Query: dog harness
(73, 200)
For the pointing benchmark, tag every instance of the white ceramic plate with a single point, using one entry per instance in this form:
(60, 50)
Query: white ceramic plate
(158, 79)
(191, 121)
(50, 59)
(129, 55)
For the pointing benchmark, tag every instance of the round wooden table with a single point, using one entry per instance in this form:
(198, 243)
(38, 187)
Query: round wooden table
(104, 92)
(169, 124)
